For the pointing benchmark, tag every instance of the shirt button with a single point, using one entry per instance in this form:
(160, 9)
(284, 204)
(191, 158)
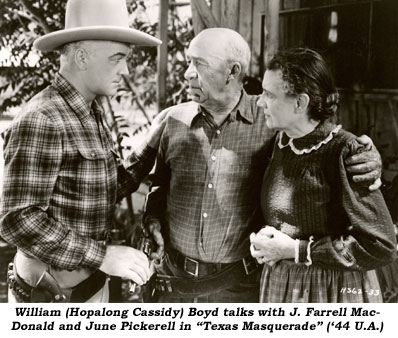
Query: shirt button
(93, 155)
(210, 185)
(218, 132)
(205, 215)
(213, 157)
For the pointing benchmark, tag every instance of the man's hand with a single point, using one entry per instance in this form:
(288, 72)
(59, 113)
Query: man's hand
(126, 262)
(154, 230)
(366, 166)
(156, 130)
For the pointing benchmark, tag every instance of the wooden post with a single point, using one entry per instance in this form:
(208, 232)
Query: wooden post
(162, 54)
(202, 16)
(230, 14)
(216, 9)
(245, 20)
(197, 22)
(257, 43)
(272, 41)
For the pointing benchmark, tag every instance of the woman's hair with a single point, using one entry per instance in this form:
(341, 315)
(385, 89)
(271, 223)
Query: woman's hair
(304, 71)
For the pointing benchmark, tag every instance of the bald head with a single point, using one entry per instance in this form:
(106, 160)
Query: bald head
(228, 44)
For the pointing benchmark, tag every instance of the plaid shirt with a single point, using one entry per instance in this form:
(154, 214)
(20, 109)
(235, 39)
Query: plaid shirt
(61, 179)
(207, 179)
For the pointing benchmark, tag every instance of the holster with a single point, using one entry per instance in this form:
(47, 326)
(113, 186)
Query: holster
(46, 290)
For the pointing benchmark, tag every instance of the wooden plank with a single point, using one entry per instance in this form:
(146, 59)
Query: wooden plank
(245, 20)
(291, 4)
(230, 14)
(197, 22)
(205, 13)
(272, 41)
(258, 12)
(393, 111)
(216, 6)
(162, 55)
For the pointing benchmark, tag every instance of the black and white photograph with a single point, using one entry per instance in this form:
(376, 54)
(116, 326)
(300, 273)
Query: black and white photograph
(223, 152)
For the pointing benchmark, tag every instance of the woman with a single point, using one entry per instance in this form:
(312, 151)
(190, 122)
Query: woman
(324, 234)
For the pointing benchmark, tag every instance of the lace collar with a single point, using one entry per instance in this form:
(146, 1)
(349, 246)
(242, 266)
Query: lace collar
(322, 134)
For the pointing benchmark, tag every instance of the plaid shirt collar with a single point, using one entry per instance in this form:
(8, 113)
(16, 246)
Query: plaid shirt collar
(242, 109)
(74, 99)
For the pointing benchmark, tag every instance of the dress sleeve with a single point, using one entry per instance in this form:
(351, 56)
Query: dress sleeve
(369, 239)
(33, 157)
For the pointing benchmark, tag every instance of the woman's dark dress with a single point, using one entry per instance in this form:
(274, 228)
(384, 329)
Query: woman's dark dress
(306, 192)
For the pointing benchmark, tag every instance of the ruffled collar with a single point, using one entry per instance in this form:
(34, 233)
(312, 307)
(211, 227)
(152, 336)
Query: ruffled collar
(322, 134)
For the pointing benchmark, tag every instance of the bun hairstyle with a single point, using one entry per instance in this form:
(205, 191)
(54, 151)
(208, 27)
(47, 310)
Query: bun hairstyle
(332, 103)
(305, 72)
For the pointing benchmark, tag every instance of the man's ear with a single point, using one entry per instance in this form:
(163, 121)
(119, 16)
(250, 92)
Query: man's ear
(302, 102)
(235, 71)
(81, 58)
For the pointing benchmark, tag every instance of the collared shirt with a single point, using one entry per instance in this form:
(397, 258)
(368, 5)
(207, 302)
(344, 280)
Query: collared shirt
(61, 179)
(206, 185)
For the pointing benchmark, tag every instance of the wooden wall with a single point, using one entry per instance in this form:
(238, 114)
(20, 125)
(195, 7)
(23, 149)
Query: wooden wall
(374, 113)
(255, 20)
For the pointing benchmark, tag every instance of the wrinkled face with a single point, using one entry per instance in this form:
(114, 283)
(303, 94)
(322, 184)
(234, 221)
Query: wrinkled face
(207, 72)
(279, 108)
(105, 67)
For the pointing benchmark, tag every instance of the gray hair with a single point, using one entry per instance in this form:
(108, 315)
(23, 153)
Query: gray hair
(236, 47)
(239, 50)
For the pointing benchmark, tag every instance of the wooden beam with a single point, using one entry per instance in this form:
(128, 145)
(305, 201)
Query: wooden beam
(230, 14)
(205, 13)
(272, 42)
(256, 48)
(162, 55)
(245, 22)
(197, 22)
(216, 6)
(179, 4)
(326, 7)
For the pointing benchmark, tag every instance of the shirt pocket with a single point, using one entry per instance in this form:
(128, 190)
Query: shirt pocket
(84, 172)
(91, 153)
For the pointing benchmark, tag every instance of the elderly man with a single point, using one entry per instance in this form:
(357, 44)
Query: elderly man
(62, 176)
(206, 187)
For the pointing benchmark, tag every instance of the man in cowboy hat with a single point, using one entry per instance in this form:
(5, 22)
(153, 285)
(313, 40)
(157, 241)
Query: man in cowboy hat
(62, 176)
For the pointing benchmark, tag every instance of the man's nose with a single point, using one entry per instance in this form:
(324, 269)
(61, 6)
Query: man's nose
(190, 73)
(261, 103)
(124, 70)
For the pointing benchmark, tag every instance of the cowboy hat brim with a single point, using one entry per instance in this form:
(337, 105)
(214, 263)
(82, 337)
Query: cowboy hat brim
(56, 39)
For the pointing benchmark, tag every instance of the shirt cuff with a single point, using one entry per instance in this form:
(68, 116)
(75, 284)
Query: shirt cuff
(309, 259)
(94, 255)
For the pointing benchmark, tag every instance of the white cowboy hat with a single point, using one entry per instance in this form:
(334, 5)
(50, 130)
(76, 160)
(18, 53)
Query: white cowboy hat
(95, 20)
